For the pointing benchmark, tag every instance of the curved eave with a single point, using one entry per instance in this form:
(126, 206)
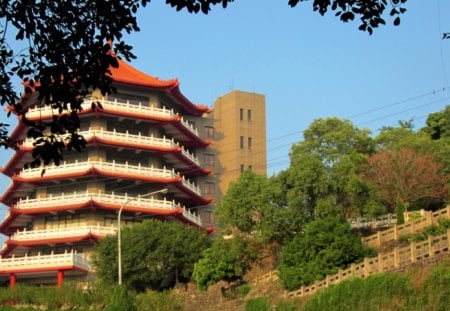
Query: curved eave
(11, 244)
(128, 75)
(13, 161)
(176, 181)
(174, 121)
(193, 167)
(93, 171)
(90, 203)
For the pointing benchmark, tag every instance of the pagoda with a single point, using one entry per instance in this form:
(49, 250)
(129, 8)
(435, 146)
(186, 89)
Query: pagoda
(141, 140)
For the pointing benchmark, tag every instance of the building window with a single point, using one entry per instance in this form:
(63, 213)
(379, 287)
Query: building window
(209, 187)
(208, 217)
(209, 132)
(250, 167)
(249, 115)
(242, 168)
(242, 142)
(209, 159)
(241, 114)
(249, 143)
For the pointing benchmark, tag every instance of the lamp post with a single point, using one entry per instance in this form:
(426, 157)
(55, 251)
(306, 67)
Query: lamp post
(119, 240)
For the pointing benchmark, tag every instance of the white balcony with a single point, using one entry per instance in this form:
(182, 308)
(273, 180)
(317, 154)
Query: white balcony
(139, 139)
(117, 106)
(57, 233)
(39, 262)
(111, 167)
(113, 199)
(76, 167)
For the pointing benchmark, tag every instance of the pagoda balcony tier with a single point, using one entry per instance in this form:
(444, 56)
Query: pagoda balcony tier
(169, 148)
(44, 265)
(20, 214)
(171, 121)
(171, 151)
(29, 238)
(174, 181)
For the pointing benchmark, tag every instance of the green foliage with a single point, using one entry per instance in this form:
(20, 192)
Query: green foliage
(55, 298)
(326, 171)
(285, 306)
(437, 229)
(226, 260)
(120, 300)
(400, 210)
(377, 292)
(245, 203)
(155, 254)
(438, 124)
(326, 245)
(436, 291)
(158, 301)
(257, 304)
(244, 289)
(389, 291)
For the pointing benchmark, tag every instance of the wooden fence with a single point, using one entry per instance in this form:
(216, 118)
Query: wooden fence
(269, 276)
(417, 225)
(384, 262)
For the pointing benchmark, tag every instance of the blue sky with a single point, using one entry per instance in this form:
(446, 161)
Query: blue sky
(308, 66)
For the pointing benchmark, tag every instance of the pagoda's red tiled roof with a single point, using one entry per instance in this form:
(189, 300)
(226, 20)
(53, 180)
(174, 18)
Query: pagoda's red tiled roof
(127, 74)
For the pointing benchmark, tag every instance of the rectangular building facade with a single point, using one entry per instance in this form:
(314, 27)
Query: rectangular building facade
(240, 142)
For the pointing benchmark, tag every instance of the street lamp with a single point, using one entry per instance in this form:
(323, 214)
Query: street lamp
(119, 240)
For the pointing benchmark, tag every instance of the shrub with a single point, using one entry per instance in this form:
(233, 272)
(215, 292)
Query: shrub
(158, 301)
(243, 290)
(257, 304)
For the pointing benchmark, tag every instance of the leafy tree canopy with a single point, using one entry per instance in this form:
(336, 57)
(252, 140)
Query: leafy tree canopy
(409, 178)
(67, 54)
(155, 254)
(326, 245)
(246, 202)
(326, 167)
(226, 260)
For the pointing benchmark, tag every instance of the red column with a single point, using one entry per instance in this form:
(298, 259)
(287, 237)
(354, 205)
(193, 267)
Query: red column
(59, 278)
(12, 280)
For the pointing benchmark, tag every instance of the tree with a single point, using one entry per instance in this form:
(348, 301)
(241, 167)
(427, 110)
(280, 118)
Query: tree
(246, 203)
(438, 124)
(407, 177)
(326, 170)
(326, 245)
(156, 254)
(226, 260)
(67, 54)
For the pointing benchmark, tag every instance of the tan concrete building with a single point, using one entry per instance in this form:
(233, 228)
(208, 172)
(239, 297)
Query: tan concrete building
(240, 136)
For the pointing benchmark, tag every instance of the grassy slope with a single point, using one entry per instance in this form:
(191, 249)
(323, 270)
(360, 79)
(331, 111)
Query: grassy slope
(424, 287)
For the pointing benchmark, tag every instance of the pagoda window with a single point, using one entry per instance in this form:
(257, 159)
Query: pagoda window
(209, 159)
(64, 221)
(209, 187)
(130, 98)
(209, 132)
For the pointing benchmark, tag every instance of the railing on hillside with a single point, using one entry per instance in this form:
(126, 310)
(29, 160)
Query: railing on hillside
(417, 225)
(374, 223)
(268, 277)
(389, 261)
